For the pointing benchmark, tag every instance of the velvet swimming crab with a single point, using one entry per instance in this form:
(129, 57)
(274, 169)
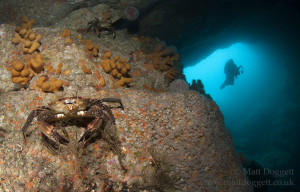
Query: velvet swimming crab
(72, 109)
(97, 27)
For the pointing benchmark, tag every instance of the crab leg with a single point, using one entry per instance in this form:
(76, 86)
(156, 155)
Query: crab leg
(113, 100)
(111, 115)
(49, 131)
(49, 144)
(30, 117)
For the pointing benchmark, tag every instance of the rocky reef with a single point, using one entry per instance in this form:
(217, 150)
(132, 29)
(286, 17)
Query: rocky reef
(167, 140)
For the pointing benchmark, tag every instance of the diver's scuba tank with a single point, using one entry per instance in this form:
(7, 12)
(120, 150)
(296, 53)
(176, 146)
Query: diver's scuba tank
(242, 69)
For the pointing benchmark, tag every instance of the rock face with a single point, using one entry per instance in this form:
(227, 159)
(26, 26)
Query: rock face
(169, 141)
(75, 56)
(162, 141)
(196, 28)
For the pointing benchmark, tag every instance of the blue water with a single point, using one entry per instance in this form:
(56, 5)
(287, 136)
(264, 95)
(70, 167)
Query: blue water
(257, 109)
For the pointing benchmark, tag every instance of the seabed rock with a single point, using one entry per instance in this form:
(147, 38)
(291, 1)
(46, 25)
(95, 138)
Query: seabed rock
(163, 141)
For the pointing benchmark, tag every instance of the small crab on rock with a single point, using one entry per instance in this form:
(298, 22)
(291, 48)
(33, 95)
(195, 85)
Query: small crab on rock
(97, 27)
(72, 109)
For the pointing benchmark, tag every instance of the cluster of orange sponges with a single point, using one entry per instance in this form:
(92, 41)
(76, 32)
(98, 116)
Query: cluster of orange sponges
(67, 34)
(26, 36)
(48, 85)
(117, 67)
(164, 58)
(92, 48)
(20, 73)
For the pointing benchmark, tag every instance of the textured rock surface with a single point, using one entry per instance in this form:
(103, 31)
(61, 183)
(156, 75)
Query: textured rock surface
(179, 85)
(196, 28)
(184, 131)
(54, 51)
(169, 141)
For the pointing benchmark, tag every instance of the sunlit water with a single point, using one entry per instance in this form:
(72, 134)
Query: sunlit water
(249, 105)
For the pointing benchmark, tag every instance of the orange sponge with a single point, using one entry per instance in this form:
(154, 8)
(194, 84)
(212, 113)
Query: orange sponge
(36, 63)
(26, 24)
(84, 66)
(20, 73)
(107, 55)
(102, 81)
(106, 66)
(52, 85)
(67, 33)
(123, 81)
(165, 58)
(59, 66)
(86, 70)
(26, 36)
(32, 45)
(92, 48)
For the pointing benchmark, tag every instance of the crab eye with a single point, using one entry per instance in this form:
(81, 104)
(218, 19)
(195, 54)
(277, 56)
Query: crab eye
(69, 101)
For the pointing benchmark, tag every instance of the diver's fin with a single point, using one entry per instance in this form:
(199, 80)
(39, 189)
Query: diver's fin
(222, 86)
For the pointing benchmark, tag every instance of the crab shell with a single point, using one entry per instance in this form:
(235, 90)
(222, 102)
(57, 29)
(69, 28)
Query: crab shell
(69, 107)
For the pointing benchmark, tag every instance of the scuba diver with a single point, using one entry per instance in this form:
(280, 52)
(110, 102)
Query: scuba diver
(232, 71)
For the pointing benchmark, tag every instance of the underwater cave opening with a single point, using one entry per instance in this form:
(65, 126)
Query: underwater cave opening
(250, 106)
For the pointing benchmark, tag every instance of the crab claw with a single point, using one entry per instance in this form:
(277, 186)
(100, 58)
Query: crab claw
(49, 131)
(92, 127)
(60, 138)
(30, 117)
